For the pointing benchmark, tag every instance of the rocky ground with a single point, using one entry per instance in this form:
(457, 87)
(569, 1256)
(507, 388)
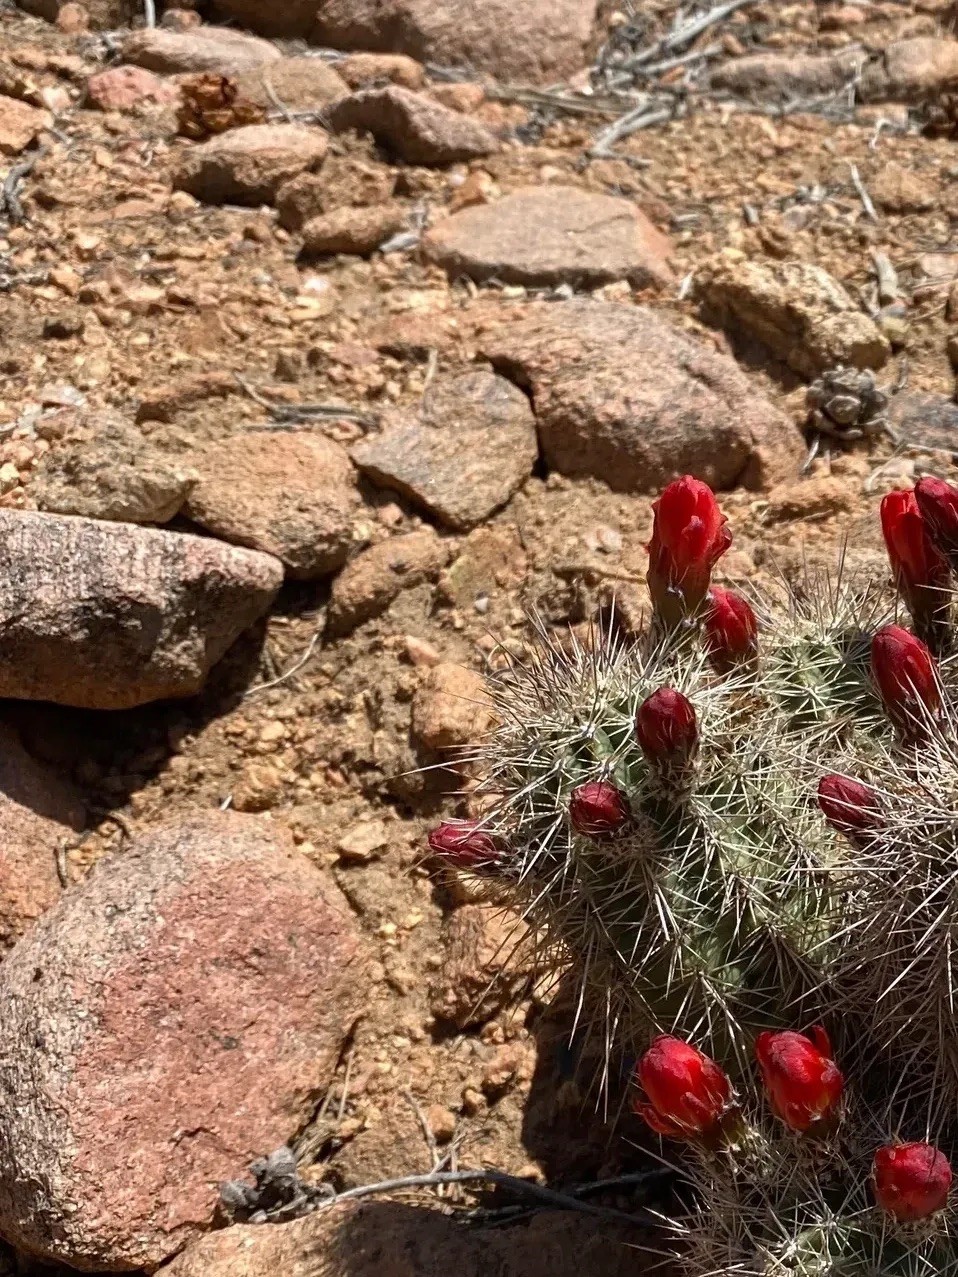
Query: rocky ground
(356, 333)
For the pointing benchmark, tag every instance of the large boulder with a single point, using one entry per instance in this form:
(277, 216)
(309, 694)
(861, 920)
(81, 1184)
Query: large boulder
(537, 41)
(623, 396)
(109, 615)
(548, 235)
(463, 454)
(169, 1020)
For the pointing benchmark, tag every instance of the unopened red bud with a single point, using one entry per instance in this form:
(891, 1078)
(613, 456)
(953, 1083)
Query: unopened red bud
(920, 570)
(688, 1094)
(666, 727)
(912, 1181)
(464, 844)
(802, 1079)
(689, 536)
(731, 630)
(598, 809)
(906, 676)
(849, 806)
(938, 502)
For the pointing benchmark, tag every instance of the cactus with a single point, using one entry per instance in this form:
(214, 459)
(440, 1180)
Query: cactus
(743, 822)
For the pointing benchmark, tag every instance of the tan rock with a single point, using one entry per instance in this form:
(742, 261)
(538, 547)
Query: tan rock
(911, 70)
(468, 448)
(248, 165)
(109, 615)
(451, 708)
(345, 181)
(548, 235)
(623, 396)
(201, 49)
(796, 309)
(418, 129)
(360, 70)
(901, 190)
(783, 77)
(165, 1022)
(300, 84)
(359, 231)
(484, 965)
(20, 123)
(375, 577)
(290, 495)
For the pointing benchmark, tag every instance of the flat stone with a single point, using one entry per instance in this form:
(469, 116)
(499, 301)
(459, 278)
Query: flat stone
(796, 309)
(417, 129)
(375, 577)
(248, 165)
(911, 70)
(301, 84)
(199, 49)
(470, 446)
(358, 231)
(122, 88)
(109, 615)
(169, 1019)
(38, 812)
(392, 1239)
(290, 495)
(623, 396)
(535, 42)
(783, 77)
(19, 124)
(107, 469)
(549, 235)
(901, 190)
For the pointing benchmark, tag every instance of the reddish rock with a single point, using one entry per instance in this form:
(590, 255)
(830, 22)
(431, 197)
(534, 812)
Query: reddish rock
(537, 41)
(451, 708)
(469, 447)
(782, 77)
(123, 87)
(104, 15)
(353, 230)
(901, 190)
(37, 812)
(73, 19)
(362, 69)
(547, 235)
(375, 577)
(248, 165)
(19, 124)
(109, 615)
(167, 1021)
(300, 84)
(291, 495)
(623, 396)
(459, 96)
(392, 1239)
(201, 49)
(418, 129)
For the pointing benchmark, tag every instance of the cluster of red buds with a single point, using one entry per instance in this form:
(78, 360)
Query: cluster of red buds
(687, 1096)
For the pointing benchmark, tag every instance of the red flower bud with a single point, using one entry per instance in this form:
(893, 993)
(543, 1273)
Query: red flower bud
(938, 502)
(911, 1180)
(907, 680)
(688, 1092)
(463, 844)
(598, 809)
(666, 728)
(849, 806)
(731, 629)
(803, 1081)
(920, 571)
(689, 536)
